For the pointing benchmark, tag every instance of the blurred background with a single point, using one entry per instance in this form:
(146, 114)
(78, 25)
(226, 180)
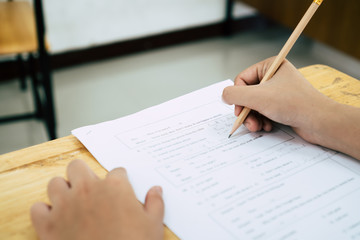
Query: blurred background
(112, 58)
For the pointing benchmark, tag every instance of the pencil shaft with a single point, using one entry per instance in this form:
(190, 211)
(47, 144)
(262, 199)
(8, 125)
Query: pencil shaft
(280, 58)
(290, 42)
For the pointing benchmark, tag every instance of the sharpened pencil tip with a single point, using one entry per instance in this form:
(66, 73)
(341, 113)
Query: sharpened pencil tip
(230, 136)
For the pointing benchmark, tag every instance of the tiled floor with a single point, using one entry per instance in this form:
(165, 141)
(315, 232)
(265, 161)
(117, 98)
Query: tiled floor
(110, 89)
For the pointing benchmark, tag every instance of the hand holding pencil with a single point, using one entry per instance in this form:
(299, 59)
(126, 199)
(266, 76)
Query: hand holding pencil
(280, 57)
(288, 98)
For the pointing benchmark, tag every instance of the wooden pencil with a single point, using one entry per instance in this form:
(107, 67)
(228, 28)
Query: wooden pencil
(280, 57)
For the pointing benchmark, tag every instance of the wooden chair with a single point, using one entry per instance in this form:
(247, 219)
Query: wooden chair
(22, 33)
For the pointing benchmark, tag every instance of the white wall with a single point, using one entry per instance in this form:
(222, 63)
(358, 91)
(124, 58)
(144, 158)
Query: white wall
(76, 24)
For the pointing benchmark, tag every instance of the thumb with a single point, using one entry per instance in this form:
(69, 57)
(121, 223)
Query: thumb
(248, 96)
(154, 204)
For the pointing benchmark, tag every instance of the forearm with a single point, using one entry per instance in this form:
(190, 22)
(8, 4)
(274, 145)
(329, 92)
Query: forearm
(338, 128)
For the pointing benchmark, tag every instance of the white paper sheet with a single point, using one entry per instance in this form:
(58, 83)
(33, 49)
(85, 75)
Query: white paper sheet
(251, 186)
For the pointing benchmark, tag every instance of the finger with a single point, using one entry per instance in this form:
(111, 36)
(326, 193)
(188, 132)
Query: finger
(119, 177)
(238, 110)
(40, 214)
(239, 81)
(118, 180)
(249, 96)
(119, 173)
(78, 170)
(253, 123)
(254, 74)
(154, 204)
(267, 125)
(57, 187)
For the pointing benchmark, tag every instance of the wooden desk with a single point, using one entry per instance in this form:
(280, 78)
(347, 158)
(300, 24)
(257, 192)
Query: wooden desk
(24, 174)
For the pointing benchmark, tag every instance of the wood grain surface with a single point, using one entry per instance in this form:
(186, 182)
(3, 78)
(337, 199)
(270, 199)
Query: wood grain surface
(24, 174)
(17, 28)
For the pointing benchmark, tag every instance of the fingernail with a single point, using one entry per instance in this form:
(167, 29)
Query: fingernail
(158, 189)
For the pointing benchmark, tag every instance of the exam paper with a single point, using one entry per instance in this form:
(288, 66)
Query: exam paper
(251, 186)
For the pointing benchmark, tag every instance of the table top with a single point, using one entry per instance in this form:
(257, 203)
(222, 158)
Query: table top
(24, 174)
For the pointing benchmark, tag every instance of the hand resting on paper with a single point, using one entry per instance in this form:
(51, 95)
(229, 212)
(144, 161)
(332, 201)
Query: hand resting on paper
(86, 207)
(288, 98)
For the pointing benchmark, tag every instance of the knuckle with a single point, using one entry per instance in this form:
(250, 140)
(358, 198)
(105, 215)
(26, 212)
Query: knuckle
(83, 188)
(117, 173)
(118, 184)
(34, 210)
(120, 170)
(238, 81)
(74, 163)
(54, 183)
(112, 181)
